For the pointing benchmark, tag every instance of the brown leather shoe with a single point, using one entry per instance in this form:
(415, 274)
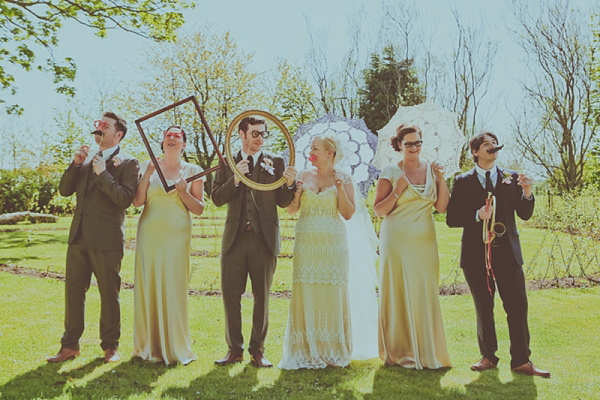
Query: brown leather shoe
(259, 360)
(483, 365)
(529, 369)
(63, 355)
(111, 355)
(232, 357)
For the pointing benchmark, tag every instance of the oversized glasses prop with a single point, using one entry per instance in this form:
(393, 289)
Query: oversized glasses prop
(231, 161)
(264, 134)
(100, 125)
(138, 123)
(176, 135)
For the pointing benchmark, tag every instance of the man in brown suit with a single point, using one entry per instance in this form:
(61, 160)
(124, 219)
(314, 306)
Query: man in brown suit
(105, 185)
(251, 239)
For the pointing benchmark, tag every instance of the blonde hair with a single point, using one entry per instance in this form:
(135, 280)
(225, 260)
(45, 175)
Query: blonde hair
(331, 143)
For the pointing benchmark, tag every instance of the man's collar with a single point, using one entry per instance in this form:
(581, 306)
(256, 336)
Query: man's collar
(108, 152)
(481, 171)
(255, 156)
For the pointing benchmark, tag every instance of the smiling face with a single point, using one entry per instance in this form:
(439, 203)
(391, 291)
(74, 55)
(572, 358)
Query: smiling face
(251, 144)
(173, 141)
(411, 145)
(110, 135)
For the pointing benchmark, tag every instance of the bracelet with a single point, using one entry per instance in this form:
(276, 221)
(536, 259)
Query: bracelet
(296, 203)
(145, 179)
(396, 194)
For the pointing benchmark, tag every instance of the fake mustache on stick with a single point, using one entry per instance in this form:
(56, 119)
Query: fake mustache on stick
(495, 149)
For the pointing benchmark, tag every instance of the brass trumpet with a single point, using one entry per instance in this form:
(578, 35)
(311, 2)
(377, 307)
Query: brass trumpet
(491, 228)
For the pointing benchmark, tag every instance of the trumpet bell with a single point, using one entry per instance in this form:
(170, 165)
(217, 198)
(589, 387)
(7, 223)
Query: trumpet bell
(499, 229)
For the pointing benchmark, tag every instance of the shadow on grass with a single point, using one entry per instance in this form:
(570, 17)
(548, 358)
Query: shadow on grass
(219, 384)
(398, 382)
(28, 239)
(133, 377)
(44, 382)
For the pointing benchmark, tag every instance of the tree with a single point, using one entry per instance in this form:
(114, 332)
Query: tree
(292, 98)
(388, 84)
(557, 127)
(25, 26)
(208, 66)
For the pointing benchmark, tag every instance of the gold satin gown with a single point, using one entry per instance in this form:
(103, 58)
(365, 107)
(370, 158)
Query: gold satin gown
(411, 331)
(318, 332)
(162, 263)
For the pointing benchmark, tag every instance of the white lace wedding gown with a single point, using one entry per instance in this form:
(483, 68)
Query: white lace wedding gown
(318, 332)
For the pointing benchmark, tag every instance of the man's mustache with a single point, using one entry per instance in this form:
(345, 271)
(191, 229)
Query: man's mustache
(97, 132)
(495, 149)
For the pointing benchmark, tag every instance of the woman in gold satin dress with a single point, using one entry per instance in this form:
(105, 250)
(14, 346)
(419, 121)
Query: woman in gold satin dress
(162, 255)
(411, 331)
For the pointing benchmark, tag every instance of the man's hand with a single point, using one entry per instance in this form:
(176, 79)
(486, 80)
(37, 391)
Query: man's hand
(81, 154)
(242, 166)
(485, 214)
(526, 183)
(99, 164)
(290, 173)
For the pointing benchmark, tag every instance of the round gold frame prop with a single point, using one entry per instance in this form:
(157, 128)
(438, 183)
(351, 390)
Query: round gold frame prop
(229, 156)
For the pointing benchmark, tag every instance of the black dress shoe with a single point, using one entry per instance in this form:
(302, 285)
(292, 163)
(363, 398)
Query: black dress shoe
(232, 357)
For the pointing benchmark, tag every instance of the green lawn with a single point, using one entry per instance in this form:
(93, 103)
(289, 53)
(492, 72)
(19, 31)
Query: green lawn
(44, 246)
(564, 326)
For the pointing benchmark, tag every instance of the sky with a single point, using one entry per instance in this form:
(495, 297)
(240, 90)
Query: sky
(278, 29)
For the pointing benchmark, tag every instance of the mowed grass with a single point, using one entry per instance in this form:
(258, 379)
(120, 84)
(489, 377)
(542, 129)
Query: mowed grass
(563, 323)
(43, 246)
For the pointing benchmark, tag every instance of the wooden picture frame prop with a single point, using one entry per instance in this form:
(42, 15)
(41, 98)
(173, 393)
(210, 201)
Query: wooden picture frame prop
(138, 123)
(231, 161)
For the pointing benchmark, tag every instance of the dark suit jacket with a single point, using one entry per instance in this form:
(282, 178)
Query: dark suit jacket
(225, 192)
(468, 196)
(101, 201)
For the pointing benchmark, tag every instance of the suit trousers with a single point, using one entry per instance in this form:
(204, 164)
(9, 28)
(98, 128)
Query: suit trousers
(510, 280)
(248, 255)
(82, 261)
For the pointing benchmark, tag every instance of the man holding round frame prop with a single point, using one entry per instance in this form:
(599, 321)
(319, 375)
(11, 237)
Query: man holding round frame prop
(252, 184)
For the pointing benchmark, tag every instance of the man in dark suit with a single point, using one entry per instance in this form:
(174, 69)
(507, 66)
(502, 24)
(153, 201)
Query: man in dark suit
(251, 239)
(105, 185)
(467, 209)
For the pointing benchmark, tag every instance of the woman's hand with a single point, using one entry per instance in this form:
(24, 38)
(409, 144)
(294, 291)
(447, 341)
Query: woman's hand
(438, 170)
(181, 186)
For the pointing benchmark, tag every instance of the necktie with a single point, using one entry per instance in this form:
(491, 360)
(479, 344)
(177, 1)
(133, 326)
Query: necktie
(488, 182)
(250, 164)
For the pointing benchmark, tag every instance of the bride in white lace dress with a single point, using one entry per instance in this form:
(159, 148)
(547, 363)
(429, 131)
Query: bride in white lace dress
(318, 332)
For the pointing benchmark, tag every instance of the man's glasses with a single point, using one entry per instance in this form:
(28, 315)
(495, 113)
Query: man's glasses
(100, 124)
(418, 143)
(264, 134)
(171, 134)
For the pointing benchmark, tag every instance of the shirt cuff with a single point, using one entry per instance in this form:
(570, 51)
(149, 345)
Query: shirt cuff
(477, 216)
(528, 198)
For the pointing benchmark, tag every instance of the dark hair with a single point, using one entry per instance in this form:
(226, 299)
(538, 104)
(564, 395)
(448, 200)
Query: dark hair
(173, 126)
(252, 120)
(476, 142)
(402, 131)
(121, 125)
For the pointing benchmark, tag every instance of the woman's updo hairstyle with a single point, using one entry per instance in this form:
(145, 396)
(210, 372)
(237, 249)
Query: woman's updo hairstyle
(331, 143)
(402, 131)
